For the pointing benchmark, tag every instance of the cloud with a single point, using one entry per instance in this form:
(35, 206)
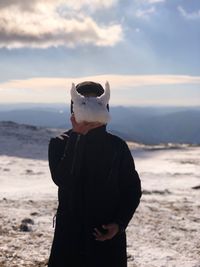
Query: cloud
(148, 2)
(78, 4)
(154, 1)
(117, 81)
(57, 89)
(189, 16)
(125, 89)
(146, 8)
(39, 24)
(145, 13)
(92, 5)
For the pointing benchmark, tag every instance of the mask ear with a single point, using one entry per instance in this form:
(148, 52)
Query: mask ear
(75, 96)
(104, 98)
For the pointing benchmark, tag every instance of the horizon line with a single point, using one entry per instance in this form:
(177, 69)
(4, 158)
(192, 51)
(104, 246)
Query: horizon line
(114, 104)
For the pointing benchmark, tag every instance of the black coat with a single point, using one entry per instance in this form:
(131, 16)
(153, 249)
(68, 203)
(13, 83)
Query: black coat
(97, 184)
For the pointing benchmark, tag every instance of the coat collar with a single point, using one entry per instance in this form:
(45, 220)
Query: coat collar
(96, 133)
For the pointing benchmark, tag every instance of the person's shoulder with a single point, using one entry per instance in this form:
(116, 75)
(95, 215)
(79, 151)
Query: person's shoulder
(117, 140)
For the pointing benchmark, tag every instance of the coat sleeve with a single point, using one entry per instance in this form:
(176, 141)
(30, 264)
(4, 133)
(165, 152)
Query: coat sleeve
(62, 160)
(129, 187)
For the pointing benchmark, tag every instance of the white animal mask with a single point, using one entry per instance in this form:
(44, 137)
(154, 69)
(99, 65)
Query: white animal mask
(90, 108)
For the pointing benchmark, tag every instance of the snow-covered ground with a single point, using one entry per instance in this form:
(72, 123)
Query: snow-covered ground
(165, 231)
(166, 228)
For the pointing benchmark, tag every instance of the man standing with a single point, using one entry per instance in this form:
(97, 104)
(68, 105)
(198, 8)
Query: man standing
(98, 193)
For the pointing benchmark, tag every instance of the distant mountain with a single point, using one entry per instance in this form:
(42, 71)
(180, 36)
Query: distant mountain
(158, 127)
(148, 125)
(38, 117)
(182, 127)
(25, 141)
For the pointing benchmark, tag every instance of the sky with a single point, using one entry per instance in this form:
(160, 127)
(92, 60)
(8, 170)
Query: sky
(148, 50)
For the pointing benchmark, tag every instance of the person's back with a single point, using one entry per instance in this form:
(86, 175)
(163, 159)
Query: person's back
(99, 191)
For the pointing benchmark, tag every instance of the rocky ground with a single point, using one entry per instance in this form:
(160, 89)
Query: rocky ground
(164, 232)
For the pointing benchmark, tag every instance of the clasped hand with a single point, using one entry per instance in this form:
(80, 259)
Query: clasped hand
(83, 127)
(112, 230)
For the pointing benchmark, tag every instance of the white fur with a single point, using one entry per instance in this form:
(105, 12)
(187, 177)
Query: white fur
(91, 109)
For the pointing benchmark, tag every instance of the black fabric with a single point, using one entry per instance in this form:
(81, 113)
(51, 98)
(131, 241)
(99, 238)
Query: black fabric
(97, 184)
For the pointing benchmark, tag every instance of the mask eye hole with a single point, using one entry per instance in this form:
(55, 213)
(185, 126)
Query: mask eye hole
(83, 103)
(99, 103)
